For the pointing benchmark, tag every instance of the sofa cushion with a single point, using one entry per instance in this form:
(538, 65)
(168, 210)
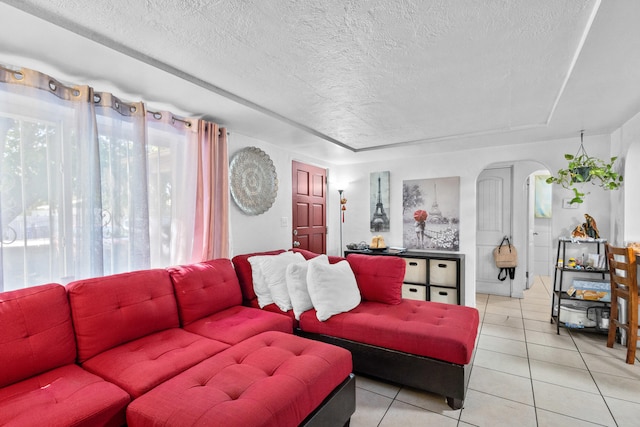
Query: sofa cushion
(142, 364)
(310, 255)
(297, 287)
(205, 288)
(441, 331)
(239, 323)
(332, 288)
(271, 379)
(245, 274)
(112, 310)
(379, 277)
(36, 333)
(64, 396)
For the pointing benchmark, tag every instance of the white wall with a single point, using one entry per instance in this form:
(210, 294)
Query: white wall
(626, 203)
(253, 233)
(262, 232)
(468, 165)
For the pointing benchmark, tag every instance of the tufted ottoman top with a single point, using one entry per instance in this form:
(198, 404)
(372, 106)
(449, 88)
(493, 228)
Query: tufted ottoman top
(271, 379)
(440, 331)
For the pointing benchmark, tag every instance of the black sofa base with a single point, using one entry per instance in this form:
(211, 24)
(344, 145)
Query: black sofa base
(444, 378)
(337, 408)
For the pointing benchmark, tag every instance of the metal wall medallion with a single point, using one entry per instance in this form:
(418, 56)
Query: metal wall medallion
(253, 181)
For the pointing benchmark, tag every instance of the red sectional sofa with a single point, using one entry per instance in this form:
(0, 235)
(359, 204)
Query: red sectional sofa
(40, 383)
(422, 344)
(163, 347)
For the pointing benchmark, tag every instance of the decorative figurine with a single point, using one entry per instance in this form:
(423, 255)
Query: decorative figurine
(590, 226)
(578, 232)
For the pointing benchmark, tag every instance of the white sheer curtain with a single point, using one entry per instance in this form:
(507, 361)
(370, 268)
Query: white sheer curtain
(89, 184)
(172, 154)
(49, 173)
(122, 139)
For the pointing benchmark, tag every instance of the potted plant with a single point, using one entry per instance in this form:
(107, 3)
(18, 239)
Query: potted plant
(584, 168)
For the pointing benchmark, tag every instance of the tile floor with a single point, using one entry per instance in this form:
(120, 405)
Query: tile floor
(523, 374)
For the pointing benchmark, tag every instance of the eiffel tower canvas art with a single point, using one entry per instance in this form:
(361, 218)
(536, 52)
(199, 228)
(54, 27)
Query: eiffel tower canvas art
(379, 189)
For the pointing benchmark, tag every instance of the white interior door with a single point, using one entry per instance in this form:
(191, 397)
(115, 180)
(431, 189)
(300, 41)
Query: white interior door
(540, 254)
(543, 257)
(494, 222)
(530, 229)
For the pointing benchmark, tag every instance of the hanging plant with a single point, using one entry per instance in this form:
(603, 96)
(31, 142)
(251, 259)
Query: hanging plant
(584, 168)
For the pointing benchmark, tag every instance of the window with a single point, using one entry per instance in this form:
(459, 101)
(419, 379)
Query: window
(91, 185)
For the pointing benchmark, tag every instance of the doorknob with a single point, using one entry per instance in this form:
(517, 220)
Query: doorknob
(296, 244)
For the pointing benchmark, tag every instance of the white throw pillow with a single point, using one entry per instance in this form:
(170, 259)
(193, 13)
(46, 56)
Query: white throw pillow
(274, 270)
(260, 286)
(297, 284)
(333, 289)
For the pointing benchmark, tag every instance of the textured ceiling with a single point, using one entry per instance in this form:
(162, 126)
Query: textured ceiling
(364, 75)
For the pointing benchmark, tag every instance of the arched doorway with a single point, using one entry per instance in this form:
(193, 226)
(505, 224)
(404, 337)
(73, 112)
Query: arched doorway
(503, 190)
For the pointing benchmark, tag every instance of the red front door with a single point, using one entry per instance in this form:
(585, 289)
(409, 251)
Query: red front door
(309, 224)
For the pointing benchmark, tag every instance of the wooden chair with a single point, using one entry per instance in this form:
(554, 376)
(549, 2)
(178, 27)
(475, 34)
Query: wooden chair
(624, 285)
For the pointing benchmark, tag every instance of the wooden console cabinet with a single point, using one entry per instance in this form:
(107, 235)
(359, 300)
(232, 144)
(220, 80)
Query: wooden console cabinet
(430, 276)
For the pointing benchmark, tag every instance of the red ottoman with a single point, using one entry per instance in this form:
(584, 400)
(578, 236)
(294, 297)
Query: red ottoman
(271, 379)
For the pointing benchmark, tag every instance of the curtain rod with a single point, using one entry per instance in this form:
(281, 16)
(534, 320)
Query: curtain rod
(19, 71)
(158, 115)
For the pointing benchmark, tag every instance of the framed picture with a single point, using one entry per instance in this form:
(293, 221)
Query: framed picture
(380, 199)
(431, 214)
(543, 197)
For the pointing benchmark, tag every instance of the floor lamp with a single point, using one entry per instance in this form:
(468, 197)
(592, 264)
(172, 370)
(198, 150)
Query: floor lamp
(343, 207)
